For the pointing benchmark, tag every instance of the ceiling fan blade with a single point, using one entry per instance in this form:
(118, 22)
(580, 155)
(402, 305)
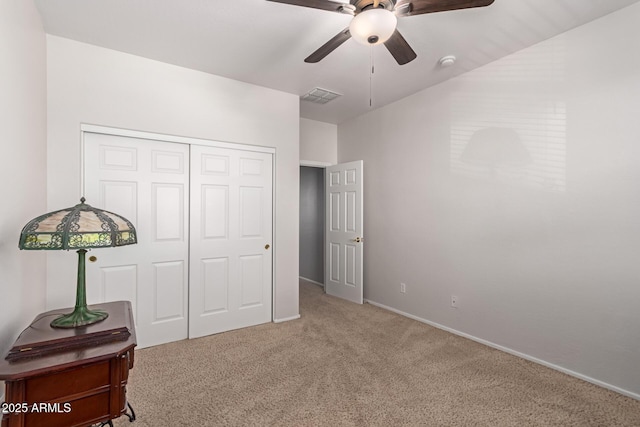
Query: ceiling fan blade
(329, 46)
(400, 49)
(418, 7)
(315, 4)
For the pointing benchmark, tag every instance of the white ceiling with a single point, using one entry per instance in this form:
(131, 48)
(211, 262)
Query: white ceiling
(265, 43)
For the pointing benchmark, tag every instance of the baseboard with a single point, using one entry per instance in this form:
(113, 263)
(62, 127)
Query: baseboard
(311, 281)
(286, 319)
(511, 351)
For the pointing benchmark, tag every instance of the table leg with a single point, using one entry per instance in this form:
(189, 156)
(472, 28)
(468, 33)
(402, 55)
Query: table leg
(132, 416)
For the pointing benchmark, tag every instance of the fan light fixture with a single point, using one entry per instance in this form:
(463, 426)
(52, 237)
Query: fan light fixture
(373, 26)
(375, 22)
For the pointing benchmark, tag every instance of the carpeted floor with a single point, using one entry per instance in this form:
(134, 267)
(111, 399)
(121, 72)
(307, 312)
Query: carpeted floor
(345, 364)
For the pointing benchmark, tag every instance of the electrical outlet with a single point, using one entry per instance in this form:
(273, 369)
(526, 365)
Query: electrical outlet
(454, 301)
(403, 288)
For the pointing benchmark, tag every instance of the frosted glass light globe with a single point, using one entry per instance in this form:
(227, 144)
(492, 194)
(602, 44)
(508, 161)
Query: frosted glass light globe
(373, 26)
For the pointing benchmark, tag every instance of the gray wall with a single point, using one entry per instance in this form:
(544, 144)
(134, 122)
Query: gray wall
(312, 223)
(541, 254)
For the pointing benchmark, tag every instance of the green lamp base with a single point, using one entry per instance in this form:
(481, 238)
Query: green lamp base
(81, 316)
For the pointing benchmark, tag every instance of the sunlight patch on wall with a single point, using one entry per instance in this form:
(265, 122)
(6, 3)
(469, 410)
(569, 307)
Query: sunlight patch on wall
(514, 130)
(518, 144)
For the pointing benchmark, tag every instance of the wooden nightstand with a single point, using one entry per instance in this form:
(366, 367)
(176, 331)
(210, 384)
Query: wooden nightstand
(74, 377)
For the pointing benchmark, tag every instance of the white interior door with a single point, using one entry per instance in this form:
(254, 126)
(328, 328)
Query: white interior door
(231, 239)
(147, 182)
(343, 231)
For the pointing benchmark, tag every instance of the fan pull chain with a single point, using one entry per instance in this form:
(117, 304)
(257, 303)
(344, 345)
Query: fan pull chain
(372, 70)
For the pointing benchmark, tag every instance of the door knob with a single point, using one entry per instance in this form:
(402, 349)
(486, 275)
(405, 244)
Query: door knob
(358, 239)
(267, 246)
(93, 258)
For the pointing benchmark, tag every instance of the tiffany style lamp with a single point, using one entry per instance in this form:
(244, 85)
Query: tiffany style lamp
(80, 227)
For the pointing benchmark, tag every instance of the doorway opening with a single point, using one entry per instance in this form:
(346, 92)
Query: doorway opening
(312, 224)
(333, 196)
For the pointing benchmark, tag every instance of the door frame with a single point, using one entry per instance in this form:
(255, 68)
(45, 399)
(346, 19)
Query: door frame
(313, 164)
(324, 166)
(89, 128)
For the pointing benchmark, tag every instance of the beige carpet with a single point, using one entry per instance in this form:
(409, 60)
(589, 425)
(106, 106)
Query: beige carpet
(345, 364)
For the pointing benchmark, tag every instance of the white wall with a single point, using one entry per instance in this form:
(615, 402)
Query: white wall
(318, 142)
(89, 84)
(23, 150)
(23, 153)
(542, 250)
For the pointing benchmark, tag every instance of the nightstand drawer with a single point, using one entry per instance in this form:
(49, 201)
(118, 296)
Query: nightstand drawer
(78, 380)
(87, 410)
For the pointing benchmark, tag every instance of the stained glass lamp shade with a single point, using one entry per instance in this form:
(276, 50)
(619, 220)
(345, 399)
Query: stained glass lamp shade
(80, 227)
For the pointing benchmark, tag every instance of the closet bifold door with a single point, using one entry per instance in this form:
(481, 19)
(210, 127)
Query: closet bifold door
(147, 182)
(231, 245)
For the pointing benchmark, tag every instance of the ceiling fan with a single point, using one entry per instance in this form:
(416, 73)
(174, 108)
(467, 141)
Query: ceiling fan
(374, 22)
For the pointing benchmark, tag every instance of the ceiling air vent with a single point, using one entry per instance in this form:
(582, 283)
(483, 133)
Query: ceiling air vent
(320, 96)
